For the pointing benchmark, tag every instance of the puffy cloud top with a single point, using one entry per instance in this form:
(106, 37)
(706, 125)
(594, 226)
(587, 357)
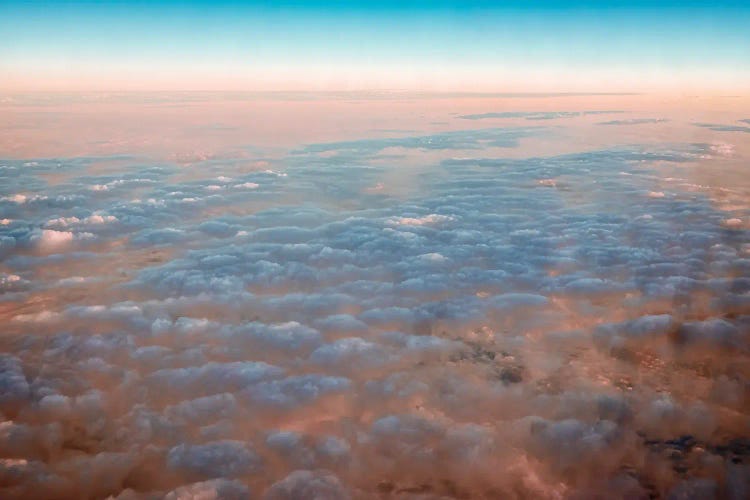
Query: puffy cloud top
(479, 325)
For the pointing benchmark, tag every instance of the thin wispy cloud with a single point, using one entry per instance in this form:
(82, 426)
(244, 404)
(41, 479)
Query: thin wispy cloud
(635, 121)
(535, 115)
(717, 127)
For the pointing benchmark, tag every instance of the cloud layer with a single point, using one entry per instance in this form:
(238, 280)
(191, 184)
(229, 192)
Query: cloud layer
(543, 327)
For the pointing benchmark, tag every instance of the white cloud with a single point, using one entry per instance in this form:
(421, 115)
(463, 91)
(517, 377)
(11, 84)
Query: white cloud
(425, 220)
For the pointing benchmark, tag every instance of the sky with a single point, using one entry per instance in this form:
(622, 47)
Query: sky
(411, 45)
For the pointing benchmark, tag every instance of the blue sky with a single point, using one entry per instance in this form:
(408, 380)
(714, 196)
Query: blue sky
(330, 43)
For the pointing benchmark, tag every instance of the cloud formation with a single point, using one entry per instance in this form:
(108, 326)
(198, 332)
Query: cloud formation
(634, 121)
(537, 327)
(536, 115)
(723, 128)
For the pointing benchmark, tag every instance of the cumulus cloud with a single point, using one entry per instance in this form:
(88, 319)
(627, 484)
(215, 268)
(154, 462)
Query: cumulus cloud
(51, 239)
(214, 459)
(420, 221)
(214, 489)
(198, 380)
(542, 327)
(316, 485)
(91, 220)
(298, 390)
(12, 283)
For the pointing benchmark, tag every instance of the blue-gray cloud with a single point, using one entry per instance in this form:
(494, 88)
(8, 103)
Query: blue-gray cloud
(723, 128)
(463, 139)
(634, 121)
(291, 331)
(535, 115)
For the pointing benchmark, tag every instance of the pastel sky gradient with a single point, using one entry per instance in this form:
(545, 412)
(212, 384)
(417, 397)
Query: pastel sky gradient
(414, 45)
